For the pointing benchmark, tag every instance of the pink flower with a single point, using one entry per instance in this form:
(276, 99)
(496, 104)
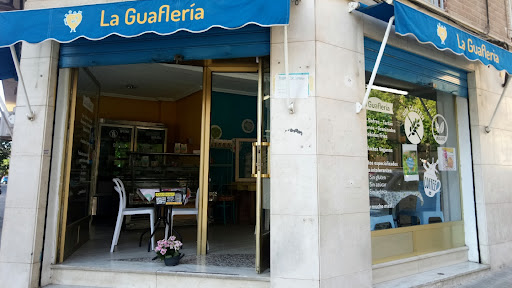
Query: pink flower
(158, 248)
(172, 238)
(163, 251)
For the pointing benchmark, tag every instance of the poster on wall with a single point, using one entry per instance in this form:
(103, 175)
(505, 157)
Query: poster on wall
(447, 158)
(410, 162)
(299, 85)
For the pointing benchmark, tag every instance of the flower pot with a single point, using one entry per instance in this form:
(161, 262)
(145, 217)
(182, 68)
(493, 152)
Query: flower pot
(173, 261)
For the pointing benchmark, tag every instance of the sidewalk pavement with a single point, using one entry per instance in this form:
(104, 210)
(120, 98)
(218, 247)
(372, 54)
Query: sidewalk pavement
(494, 279)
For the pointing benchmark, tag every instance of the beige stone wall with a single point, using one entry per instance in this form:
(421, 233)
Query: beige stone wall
(319, 178)
(492, 164)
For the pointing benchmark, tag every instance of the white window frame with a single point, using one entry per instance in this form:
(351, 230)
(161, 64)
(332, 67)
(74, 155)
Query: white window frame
(436, 3)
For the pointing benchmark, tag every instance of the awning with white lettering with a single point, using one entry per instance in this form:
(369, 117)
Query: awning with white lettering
(427, 29)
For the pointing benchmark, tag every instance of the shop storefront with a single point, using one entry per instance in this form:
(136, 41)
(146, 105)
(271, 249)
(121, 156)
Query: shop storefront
(422, 199)
(153, 96)
(375, 143)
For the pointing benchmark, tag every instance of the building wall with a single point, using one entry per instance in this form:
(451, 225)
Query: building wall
(474, 13)
(25, 207)
(319, 176)
(492, 167)
(319, 183)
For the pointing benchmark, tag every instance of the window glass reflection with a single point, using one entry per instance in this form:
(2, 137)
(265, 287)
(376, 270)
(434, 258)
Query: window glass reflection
(412, 159)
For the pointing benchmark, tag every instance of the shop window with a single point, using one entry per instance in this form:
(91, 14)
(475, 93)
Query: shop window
(412, 159)
(437, 3)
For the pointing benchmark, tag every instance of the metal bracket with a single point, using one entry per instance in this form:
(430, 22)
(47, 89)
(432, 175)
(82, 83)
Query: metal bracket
(31, 115)
(353, 6)
(291, 108)
(488, 127)
(360, 106)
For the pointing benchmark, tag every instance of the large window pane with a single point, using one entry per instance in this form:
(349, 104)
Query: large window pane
(412, 159)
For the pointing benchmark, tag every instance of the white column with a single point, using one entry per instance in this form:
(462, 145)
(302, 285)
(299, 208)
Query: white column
(345, 239)
(492, 166)
(25, 208)
(320, 224)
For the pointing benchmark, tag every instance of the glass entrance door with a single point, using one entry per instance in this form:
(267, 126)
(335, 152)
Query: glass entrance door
(80, 178)
(235, 123)
(261, 169)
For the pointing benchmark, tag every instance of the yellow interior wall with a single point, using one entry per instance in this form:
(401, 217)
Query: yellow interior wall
(188, 121)
(182, 118)
(115, 108)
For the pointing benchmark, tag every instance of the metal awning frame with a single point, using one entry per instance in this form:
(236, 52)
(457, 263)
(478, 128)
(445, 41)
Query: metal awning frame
(30, 115)
(359, 106)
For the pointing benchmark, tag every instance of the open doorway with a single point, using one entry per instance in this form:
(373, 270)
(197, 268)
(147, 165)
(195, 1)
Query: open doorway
(145, 124)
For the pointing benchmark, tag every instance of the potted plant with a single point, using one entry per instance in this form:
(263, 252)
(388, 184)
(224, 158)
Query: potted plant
(169, 251)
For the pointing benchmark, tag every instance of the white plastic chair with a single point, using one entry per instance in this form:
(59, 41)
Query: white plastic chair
(182, 211)
(119, 187)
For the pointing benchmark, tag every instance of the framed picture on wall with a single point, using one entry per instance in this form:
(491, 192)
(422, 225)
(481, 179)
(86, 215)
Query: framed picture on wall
(244, 160)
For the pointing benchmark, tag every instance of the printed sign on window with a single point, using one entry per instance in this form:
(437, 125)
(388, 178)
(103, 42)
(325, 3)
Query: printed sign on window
(447, 158)
(410, 162)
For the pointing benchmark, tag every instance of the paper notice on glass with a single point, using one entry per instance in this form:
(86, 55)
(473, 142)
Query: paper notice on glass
(299, 86)
(447, 158)
(410, 162)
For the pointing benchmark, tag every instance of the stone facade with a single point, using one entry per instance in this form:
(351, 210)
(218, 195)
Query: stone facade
(326, 164)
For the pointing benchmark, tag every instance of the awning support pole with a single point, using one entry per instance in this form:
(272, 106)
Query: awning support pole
(31, 114)
(291, 109)
(369, 87)
(488, 127)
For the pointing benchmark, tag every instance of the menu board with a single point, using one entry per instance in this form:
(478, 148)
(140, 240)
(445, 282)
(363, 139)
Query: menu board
(173, 196)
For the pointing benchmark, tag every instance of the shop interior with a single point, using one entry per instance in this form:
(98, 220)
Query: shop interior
(141, 123)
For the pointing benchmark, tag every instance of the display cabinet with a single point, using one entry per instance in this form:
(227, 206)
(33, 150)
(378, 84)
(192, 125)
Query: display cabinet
(118, 139)
(161, 170)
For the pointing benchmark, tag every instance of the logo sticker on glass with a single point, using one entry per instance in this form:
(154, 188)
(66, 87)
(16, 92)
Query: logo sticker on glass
(413, 124)
(431, 182)
(440, 129)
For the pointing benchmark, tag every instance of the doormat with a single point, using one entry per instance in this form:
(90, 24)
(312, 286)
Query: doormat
(222, 260)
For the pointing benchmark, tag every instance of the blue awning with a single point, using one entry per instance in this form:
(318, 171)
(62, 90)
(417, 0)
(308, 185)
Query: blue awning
(133, 18)
(409, 21)
(7, 69)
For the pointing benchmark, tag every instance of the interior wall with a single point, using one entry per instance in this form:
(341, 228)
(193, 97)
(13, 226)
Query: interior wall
(115, 108)
(230, 110)
(188, 121)
(182, 118)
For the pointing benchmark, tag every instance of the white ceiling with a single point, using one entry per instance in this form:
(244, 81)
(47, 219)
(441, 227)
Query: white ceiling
(162, 82)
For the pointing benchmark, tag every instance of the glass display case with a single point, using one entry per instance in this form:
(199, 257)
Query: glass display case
(117, 140)
(162, 170)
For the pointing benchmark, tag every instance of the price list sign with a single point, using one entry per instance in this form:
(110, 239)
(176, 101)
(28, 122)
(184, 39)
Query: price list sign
(170, 197)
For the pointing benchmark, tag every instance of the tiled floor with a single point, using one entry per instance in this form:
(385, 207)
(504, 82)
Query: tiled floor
(231, 252)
